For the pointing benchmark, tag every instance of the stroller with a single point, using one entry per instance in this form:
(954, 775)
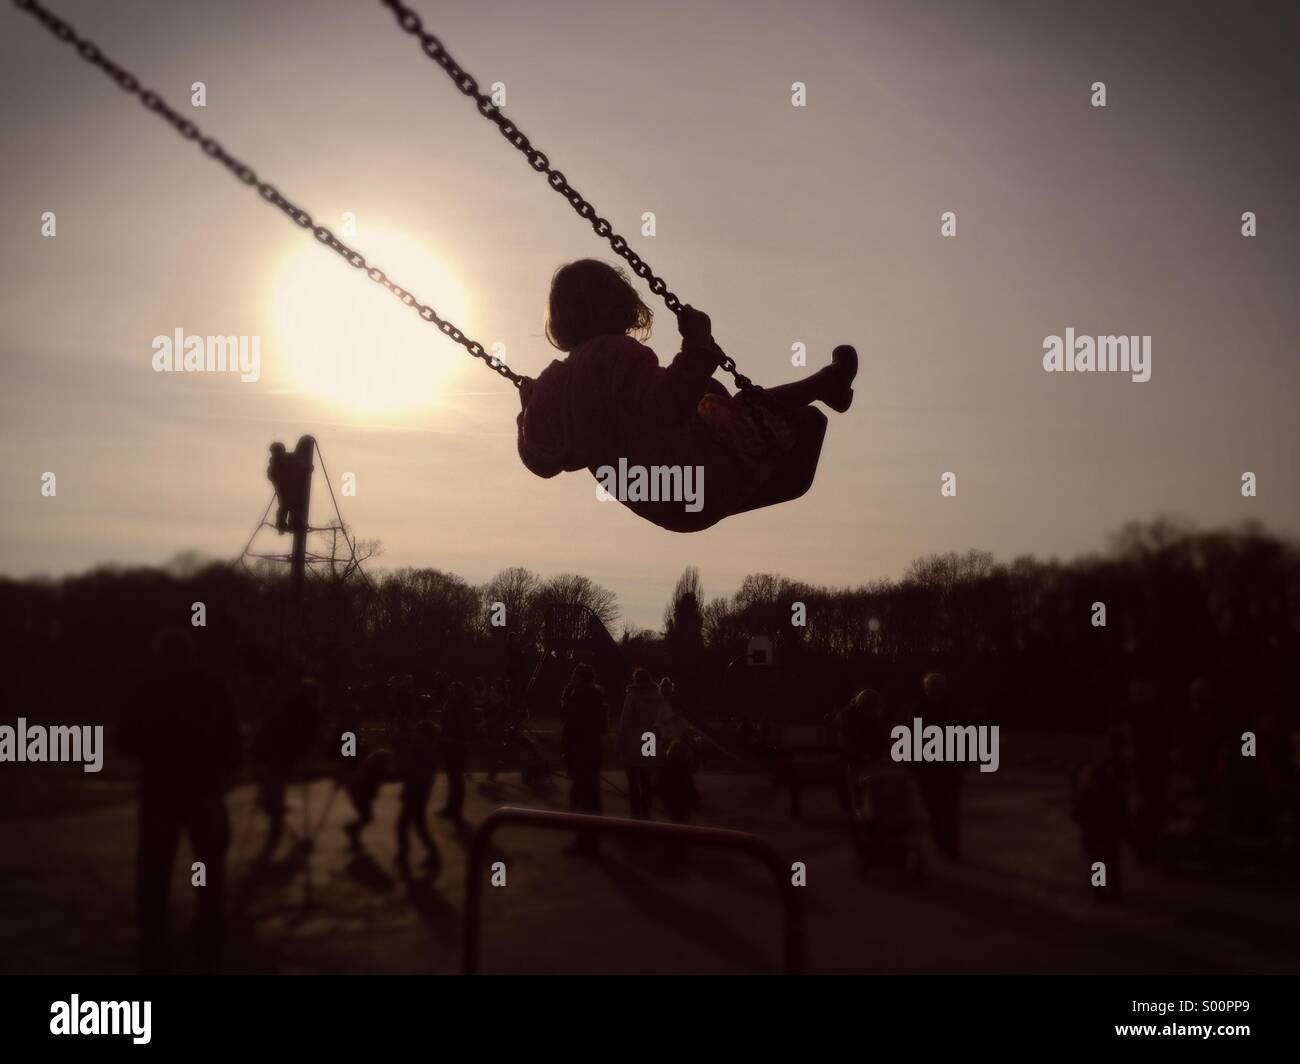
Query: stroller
(887, 820)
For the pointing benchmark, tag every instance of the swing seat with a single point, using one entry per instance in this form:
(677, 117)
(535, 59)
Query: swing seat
(792, 478)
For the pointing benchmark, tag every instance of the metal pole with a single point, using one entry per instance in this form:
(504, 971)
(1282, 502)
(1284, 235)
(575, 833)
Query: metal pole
(717, 838)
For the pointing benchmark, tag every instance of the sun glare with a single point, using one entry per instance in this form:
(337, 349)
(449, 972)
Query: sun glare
(346, 341)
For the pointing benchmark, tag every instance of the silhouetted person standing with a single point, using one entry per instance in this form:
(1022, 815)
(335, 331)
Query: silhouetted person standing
(859, 733)
(298, 481)
(278, 473)
(644, 710)
(279, 746)
(417, 763)
(457, 734)
(182, 726)
(940, 781)
(671, 697)
(585, 718)
(1151, 741)
(1101, 811)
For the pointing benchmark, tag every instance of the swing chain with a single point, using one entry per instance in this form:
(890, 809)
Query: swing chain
(409, 21)
(90, 52)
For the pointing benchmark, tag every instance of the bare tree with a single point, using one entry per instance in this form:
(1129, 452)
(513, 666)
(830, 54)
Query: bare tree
(569, 589)
(518, 589)
(684, 612)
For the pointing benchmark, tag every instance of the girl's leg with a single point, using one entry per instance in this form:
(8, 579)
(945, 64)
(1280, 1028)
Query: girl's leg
(797, 393)
(832, 385)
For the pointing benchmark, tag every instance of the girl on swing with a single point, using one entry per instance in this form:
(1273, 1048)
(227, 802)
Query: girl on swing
(610, 399)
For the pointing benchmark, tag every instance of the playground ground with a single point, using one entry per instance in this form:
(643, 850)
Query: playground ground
(1018, 903)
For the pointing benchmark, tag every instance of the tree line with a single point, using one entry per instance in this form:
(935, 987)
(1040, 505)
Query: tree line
(1022, 637)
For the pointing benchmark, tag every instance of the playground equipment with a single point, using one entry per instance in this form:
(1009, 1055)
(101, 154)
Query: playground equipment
(683, 834)
(322, 557)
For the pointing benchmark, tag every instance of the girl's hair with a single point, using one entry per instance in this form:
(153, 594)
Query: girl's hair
(642, 678)
(591, 298)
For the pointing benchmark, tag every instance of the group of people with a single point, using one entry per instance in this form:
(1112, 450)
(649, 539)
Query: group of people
(654, 746)
(654, 742)
(1184, 781)
(1163, 760)
(861, 731)
(423, 736)
(1178, 782)
(183, 727)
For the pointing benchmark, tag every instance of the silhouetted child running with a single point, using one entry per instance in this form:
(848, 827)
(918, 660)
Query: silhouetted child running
(363, 786)
(611, 400)
(417, 763)
(281, 744)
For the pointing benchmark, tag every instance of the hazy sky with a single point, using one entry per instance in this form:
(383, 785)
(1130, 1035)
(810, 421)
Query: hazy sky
(818, 225)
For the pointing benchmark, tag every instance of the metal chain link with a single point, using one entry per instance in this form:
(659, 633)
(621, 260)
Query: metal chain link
(433, 48)
(126, 81)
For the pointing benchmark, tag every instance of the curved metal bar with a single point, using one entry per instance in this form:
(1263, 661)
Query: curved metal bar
(715, 838)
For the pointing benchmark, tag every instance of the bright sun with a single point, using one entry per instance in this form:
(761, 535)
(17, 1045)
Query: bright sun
(346, 341)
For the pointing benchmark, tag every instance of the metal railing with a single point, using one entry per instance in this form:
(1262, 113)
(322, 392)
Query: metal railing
(715, 838)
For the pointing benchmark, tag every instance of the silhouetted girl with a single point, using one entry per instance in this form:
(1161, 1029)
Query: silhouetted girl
(610, 400)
